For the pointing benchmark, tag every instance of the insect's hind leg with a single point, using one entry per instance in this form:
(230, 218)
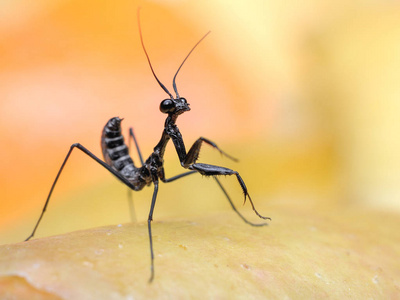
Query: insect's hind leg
(132, 136)
(211, 170)
(131, 205)
(91, 155)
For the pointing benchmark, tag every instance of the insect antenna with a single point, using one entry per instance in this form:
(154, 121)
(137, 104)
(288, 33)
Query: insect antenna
(148, 58)
(173, 81)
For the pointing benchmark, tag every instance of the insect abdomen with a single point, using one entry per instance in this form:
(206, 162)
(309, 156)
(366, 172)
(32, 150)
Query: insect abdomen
(115, 152)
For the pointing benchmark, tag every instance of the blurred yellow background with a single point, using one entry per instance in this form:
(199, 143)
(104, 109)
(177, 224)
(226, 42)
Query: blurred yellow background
(305, 94)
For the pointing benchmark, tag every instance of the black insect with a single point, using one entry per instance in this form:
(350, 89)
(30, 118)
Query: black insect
(120, 164)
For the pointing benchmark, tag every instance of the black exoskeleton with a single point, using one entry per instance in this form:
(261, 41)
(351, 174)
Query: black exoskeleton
(118, 161)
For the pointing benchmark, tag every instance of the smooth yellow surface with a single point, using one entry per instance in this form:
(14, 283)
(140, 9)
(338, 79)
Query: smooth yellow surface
(303, 254)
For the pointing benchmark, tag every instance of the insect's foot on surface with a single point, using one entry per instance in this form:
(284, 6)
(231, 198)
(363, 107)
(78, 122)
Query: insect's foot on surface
(151, 277)
(30, 236)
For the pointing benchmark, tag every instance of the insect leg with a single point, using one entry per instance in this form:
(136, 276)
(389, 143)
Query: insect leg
(153, 203)
(233, 206)
(130, 198)
(194, 151)
(211, 170)
(131, 206)
(178, 176)
(225, 193)
(91, 155)
(132, 135)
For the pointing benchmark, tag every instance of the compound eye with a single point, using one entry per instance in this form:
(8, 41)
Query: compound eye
(167, 106)
(183, 100)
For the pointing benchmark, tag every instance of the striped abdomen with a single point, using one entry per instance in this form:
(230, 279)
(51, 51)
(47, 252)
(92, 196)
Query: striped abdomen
(115, 152)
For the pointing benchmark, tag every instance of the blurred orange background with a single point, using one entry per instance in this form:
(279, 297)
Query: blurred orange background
(305, 94)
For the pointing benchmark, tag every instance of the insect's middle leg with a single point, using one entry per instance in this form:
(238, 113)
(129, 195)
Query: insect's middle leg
(211, 170)
(234, 207)
(177, 176)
